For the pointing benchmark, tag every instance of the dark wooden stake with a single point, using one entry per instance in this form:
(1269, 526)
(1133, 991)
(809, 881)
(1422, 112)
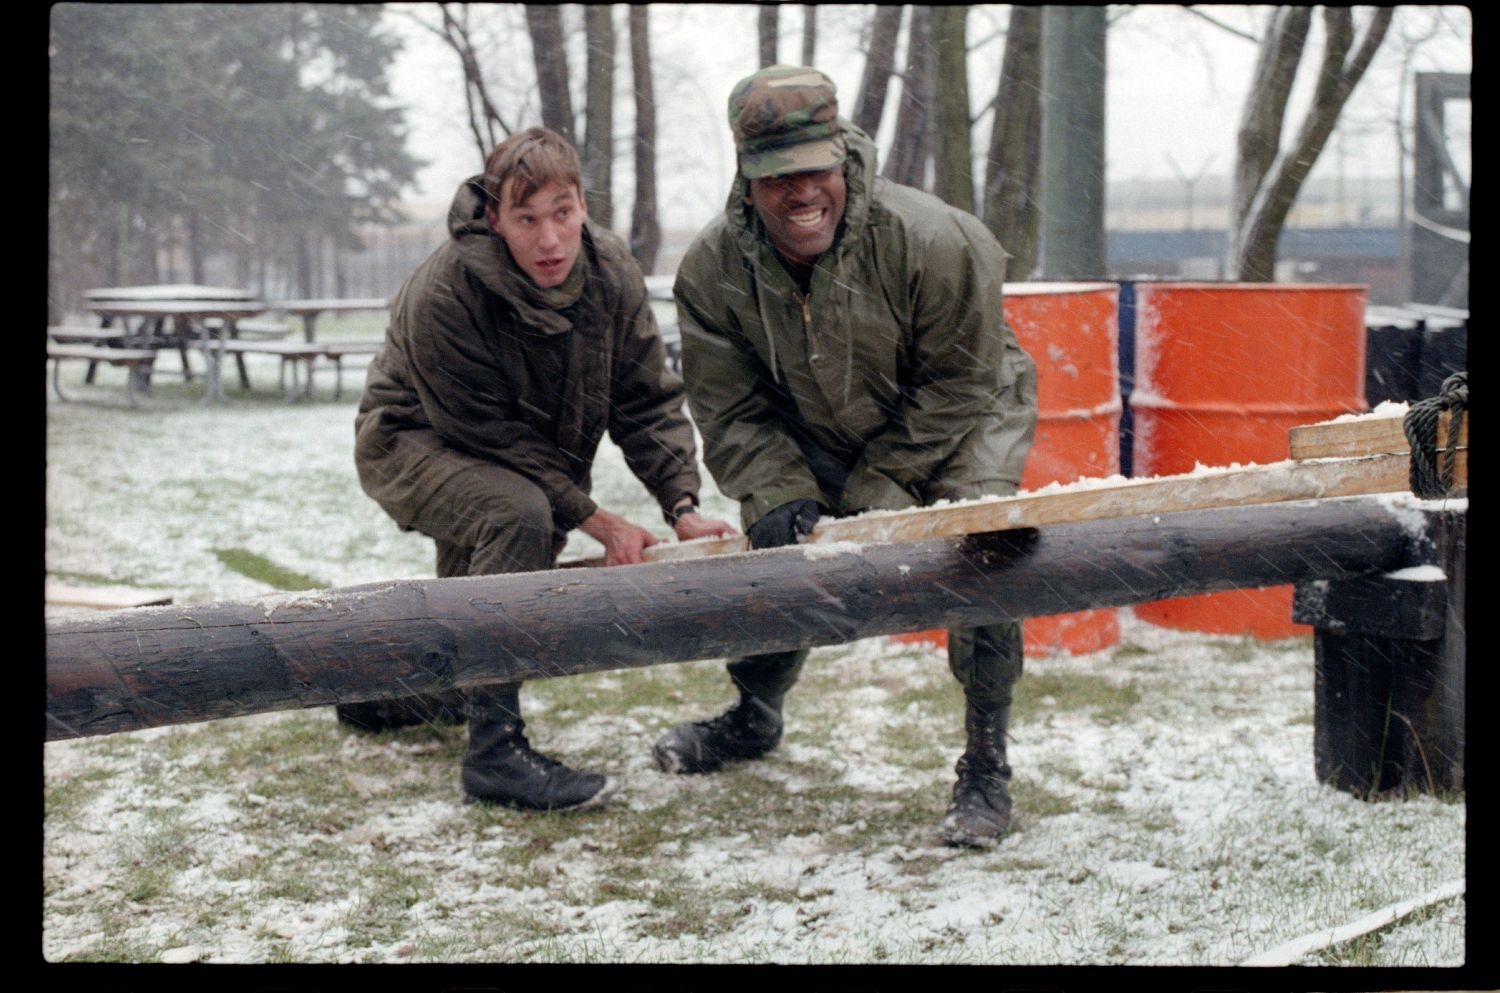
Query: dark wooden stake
(1389, 656)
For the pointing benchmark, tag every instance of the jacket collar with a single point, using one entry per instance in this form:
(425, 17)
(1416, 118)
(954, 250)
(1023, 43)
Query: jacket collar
(484, 254)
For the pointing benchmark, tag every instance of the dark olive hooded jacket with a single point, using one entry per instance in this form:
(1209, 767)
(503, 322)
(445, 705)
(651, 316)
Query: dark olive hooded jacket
(480, 363)
(898, 361)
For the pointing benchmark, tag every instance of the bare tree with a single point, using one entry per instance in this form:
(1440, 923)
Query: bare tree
(869, 107)
(910, 149)
(599, 114)
(953, 152)
(544, 23)
(1012, 195)
(809, 33)
(768, 30)
(1268, 178)
(485, 122)
(645, 231)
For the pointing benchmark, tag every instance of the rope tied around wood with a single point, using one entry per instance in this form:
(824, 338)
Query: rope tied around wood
(1430, 477)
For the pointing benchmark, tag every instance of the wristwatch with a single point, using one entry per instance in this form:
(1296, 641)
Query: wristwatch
(675, 515)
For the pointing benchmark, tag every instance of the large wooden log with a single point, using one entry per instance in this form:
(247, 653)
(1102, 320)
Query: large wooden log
(165, 665)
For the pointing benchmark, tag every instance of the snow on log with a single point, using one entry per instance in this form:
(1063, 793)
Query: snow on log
(157, 666)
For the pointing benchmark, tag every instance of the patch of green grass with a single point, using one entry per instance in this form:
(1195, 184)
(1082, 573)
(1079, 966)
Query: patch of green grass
(161, 848)
(113, 948)
(1108, 702)
(293, 886)
(262, 569)
(1106, 805)
(65, 799)
(1032, 801)
(1238, 649)
(915, 747)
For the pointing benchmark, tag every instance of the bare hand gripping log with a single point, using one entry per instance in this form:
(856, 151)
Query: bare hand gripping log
(156, 666)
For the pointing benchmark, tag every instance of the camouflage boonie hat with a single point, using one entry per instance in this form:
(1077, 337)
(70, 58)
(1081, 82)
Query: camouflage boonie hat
(785, 119)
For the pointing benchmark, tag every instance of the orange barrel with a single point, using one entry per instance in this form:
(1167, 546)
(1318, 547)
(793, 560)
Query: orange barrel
(1222, 372)
(1071, 332)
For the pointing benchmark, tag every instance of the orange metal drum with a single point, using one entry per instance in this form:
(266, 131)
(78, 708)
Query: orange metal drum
(1222, 372)
(1071, 332)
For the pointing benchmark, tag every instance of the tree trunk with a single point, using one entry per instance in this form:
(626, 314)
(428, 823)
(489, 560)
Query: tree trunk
(809, 33)
(544, 23)
(1073, 79)
(953, 149)
(196, 249)
(303, 253)
(869, 107)
(911, 148)
(767, 29)
(1012, 202)
(599, 115)
(155, 666)
(1268, 179)
(645, 231)
(1262, 117)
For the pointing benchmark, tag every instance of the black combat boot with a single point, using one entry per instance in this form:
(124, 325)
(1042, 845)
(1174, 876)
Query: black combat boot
(750, 728)
(405, 711)
(980, 812)
(501, 767)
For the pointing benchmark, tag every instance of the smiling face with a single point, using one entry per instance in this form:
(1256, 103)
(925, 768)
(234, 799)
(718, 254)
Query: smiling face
(544, 232)
(801, 211)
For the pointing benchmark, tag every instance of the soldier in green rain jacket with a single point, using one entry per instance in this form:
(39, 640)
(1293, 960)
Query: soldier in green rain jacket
(844, 350)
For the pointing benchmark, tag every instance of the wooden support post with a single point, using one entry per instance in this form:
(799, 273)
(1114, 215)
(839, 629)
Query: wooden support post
(167, 665)
(1389, 654)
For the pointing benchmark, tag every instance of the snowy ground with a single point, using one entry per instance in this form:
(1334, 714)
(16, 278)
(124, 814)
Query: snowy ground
(1166, 808)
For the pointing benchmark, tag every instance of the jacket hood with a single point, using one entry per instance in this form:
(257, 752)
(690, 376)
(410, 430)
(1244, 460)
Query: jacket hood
(484, 254)
(859, 179)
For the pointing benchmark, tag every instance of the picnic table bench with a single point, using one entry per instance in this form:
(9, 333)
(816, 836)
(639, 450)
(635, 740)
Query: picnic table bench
(304, 355)
(138, 363)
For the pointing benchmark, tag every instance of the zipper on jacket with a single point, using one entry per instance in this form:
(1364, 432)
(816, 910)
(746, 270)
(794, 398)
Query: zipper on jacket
(802, 301)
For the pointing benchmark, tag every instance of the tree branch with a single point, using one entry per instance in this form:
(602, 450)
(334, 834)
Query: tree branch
(1237, 32)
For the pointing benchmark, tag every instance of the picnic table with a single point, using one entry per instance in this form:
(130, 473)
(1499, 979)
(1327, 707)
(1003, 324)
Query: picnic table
(180, 316)
(309, 310)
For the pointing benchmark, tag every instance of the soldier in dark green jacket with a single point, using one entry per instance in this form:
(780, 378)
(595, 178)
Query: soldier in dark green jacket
(844, 350)
(510, 351)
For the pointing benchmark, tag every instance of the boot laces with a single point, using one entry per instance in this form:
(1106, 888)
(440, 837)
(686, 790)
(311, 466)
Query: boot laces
(521, 748)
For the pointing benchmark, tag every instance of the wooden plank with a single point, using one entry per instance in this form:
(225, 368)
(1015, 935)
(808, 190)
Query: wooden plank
(79, 333)
(103, 597)
(1090, 501)
(1363, 436)
(338, 349)
(100, 353)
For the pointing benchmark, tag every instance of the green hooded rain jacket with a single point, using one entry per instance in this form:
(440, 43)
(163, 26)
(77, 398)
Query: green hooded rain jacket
(480, 363)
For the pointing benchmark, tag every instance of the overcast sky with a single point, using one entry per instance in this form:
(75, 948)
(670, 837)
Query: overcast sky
(1175, 86)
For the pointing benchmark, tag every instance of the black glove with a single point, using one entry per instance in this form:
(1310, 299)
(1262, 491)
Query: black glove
(782, 525)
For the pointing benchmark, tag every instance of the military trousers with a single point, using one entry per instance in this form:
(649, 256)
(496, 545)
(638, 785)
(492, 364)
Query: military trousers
(985, 660)
(486, 520)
